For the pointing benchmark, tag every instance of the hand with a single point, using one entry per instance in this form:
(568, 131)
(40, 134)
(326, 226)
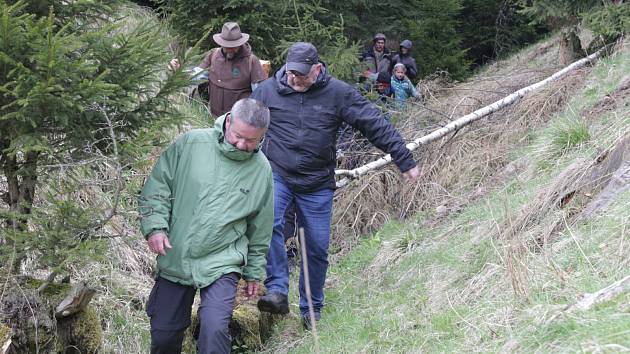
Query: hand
(174, 64)
(158, 243)
(412, 175)
(251, 289)
(366, 74)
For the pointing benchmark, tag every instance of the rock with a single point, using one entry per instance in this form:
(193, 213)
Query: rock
(249, 327)
(245, 327)
(80, 333)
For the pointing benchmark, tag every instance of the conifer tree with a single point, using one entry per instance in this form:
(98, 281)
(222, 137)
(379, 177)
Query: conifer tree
(563, 15)
(73, 80)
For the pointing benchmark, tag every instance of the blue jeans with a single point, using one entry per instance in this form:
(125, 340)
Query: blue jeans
(314, 212)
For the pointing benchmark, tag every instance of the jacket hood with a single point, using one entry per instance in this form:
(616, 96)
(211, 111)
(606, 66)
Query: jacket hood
(284, 89)
(227, 149)
(406, 44)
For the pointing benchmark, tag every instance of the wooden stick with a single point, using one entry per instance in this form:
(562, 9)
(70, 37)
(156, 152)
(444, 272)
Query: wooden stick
(307, 287)
(466, 120)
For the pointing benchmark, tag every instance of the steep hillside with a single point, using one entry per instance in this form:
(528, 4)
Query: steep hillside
(518, 219)
(486, 254)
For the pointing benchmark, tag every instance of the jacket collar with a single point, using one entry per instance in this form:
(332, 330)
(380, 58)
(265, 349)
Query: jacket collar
(371, 51)
(228, 150)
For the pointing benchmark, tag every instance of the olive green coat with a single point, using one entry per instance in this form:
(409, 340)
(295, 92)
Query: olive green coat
(216, 204)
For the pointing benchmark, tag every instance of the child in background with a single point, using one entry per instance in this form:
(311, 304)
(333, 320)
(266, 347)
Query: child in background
(401, 86)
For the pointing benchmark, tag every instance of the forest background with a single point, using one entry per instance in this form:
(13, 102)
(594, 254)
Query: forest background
(452, 36)
(84, 91)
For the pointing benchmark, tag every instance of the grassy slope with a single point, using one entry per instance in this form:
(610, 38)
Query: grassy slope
(462, 285)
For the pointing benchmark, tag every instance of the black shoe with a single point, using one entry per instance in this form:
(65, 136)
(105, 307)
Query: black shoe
(306, 320)
(274, 302)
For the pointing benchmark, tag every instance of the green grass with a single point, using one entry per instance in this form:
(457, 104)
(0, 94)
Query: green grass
(449, 288)
(569, 134)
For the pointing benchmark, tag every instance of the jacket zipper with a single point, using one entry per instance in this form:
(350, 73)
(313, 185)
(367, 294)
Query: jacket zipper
(300, 129)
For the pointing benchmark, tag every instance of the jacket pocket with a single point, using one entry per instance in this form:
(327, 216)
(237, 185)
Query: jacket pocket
(241, 243)
(239, 254)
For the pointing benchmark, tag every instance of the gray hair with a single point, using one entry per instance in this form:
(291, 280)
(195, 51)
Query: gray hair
(251, 112)
(400, 65)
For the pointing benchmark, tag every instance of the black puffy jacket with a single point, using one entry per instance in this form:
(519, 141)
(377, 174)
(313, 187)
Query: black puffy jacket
(300, 142)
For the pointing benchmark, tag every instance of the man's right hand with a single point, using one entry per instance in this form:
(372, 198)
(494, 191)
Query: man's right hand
(158, 243)
(174, 64)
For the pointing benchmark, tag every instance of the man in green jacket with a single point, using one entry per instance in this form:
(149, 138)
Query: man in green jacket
(207, 212)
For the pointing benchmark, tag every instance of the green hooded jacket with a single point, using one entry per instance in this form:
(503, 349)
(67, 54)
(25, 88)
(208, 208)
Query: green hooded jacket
(216, 204)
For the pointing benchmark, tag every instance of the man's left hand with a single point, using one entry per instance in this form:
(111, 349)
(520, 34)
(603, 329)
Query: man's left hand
(251, 289)
(411, 176)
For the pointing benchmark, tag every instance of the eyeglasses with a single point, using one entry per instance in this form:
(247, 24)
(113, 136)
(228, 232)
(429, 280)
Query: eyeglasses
(296, 74)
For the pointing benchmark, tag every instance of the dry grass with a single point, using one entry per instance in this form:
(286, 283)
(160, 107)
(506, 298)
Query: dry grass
(497, 249)
(479, 152)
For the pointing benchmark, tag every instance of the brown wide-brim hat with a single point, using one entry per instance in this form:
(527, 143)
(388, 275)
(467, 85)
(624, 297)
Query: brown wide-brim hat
(230, 36)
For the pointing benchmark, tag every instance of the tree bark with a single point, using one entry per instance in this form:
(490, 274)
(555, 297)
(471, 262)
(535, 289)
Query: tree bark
(570, 47)
(10, 167)
(29, 182)
(21, 183)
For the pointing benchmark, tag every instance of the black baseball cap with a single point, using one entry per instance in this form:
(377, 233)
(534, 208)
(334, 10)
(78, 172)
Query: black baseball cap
(301, 57)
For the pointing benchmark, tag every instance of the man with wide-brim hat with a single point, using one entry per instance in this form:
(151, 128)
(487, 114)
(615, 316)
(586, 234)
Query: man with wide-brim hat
(233, 69)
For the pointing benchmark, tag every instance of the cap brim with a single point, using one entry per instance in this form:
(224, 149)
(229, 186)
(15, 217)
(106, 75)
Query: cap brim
(230, 44)
(301, 68)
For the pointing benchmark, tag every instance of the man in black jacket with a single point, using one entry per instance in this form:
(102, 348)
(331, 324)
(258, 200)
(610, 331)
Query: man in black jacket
(307, 107)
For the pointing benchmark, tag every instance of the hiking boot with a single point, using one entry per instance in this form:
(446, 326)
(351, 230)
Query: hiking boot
(306, 320)
(274, 302)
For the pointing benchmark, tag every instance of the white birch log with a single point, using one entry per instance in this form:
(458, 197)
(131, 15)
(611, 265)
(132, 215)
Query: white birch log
(465, 120)
(603, 295)
(591, 299)
(5, 346)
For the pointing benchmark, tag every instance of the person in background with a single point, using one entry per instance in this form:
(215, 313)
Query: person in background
(206, 210)
(401, 86)
(233, 71)
(307, 107)
(378, 58)
(404, 57)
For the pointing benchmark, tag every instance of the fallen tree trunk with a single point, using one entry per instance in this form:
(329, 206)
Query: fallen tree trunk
(589, 300)
(603, 295)
(465, 120)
